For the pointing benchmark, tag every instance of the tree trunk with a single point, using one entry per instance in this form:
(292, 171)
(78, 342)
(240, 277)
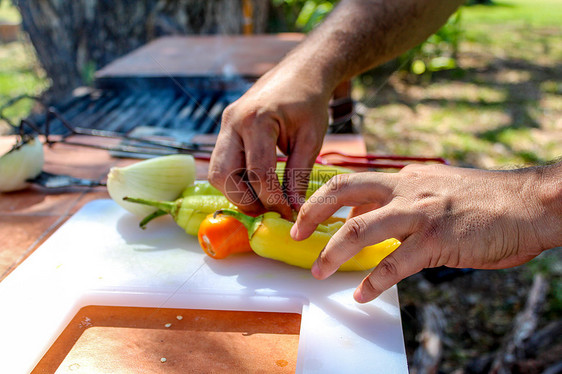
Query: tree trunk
(75, 38)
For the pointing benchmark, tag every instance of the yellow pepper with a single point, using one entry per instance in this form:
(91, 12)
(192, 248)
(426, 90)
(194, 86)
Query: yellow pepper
(319, 173)
(269, 237)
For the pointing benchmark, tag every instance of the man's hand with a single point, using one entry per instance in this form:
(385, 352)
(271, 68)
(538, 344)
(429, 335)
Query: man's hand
(288, 106)
(442, 215)
(282, 109)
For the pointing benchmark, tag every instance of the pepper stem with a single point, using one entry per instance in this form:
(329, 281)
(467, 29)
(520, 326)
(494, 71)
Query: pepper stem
(150, 217)
(167, 206)
(251, 223)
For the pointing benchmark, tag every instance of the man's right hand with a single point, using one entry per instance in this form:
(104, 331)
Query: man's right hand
(288, 106)
(284, 109)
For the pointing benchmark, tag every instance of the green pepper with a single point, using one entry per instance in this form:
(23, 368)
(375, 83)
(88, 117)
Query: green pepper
(202, 188)
(197, 189)
(188, 212)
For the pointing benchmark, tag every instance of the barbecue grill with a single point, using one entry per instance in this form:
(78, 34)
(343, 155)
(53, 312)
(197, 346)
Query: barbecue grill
(184, 110)
(177, 87)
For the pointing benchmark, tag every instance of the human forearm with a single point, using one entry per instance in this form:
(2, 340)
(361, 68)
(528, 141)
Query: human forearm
(360, 34)
(543, 192)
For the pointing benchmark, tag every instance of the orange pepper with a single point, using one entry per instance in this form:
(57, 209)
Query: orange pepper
(222, 235)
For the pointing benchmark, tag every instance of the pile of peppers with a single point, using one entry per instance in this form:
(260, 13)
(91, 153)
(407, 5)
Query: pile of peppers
(228, 231)
(222, 230)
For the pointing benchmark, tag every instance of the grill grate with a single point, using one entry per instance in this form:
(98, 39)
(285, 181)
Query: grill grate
(122, 110)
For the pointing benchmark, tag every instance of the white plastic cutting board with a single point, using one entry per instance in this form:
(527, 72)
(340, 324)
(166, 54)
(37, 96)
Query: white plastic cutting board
(101, 257)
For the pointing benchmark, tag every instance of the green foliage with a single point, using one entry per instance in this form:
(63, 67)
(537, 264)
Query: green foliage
(19, 74)
(8, 12)
(312, 13)
(88, 72)
(438, 52)
(300, 15)
(523, 12)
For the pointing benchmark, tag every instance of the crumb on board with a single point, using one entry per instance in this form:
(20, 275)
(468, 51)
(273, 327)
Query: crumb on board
(163, 359)
(168, 324)
(179, 318)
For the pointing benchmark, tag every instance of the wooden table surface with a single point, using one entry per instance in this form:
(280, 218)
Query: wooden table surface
(29, 217)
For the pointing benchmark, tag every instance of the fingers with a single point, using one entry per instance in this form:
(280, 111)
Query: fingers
(243, 164)
(407, 260)
(342, 190)
(297, 173)
(362, 209)
(261, 159)
(227, 172)
(293, 119)
(360, 232)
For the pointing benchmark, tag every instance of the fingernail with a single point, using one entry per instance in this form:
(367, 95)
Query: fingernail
(294, 232)
(358, 295)
(315, 270)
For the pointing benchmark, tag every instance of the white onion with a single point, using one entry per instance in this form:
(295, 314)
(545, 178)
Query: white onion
(20, 164)
(159, 178)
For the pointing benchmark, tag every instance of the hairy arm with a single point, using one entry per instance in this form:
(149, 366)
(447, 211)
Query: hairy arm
(288, 106)
(361, 34)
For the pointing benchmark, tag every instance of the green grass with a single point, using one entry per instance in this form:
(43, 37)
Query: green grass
(19, 72)
(500, 108)
(8, 12)
(19, 75)
(529, 12)
(521, 29)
